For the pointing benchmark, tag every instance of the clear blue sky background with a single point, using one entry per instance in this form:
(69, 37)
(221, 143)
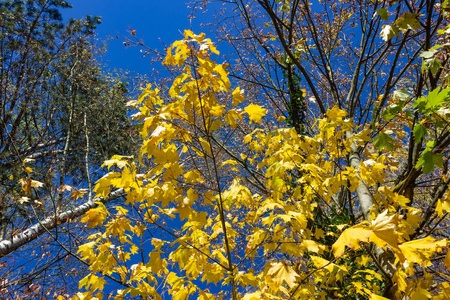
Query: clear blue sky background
(153, 20)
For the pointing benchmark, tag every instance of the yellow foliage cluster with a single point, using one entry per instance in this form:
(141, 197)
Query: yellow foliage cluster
(243, 221)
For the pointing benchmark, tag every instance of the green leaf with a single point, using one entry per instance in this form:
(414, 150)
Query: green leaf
(383, 141)
(432, 64)
(391, 111)
(426, 160)
(433, 101)
(437, 159)
(428, 54)
(408, 22)
(383, 13)
(429, 160)
(402, 94)
(419, 132)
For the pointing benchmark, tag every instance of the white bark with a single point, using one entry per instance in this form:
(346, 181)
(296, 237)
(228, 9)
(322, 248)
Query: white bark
(364, 196)
(386, 259)
(7, 246)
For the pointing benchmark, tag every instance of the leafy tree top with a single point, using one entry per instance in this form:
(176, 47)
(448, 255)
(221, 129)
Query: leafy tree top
(220, 207)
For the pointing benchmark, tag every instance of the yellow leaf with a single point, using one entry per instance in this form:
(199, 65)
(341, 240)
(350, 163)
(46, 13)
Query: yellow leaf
(351, 238)
(372, 272)
(281, 119)
(189, 34)
(217, 110)
(336, 113)
(362, 136)
(280, 273)
(157, 243)
(248, 279)
(363, 260)
(255, 112)
(155, 262)
(381, 231)
(86, 249)
(229, 162)
(232, 117)
(206, 296)
(92, 281)
(237, 96)
(376, 297)
(193, 177)
(384, 228)
(36, 184)
(79, 194)
(420, 294)
(27, 160)
(313, 246)
(319, 233)
(254, 296)
(447, 260)
(102, 187)
(220, 69)
(320, 262)
(420, 250)
(95, 216)
(442, 206)
(205, 145)
(117, 160)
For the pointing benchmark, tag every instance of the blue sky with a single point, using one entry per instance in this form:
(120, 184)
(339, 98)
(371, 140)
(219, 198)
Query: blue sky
(154, 21)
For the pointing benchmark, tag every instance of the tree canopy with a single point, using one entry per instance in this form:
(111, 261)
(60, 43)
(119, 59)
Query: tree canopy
(311, 164)
(309, 159)
(61, 115)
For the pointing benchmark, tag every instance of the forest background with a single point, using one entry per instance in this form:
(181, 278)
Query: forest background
(308, 159)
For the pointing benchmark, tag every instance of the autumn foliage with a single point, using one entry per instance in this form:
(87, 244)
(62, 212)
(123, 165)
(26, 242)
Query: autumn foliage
(226, 201)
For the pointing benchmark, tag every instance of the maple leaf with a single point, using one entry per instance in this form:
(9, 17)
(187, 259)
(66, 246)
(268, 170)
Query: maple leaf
(36, 184)
(280, 273)
(96, 283)
(381, 231)
(232, 117)
(383, 13)
(420, 294)
(442, 206)
(23, 200)
(238, 96)
(253, 296)
(313, 246)
(388, 32)
(418, 251)
(376, 297)
(336, 113)
(447, 260)
(78, 194)
(384, 228)
(95, 216)
(217, 110)
(351, 238)
(117, 160)
(408, 21)
(255, 112)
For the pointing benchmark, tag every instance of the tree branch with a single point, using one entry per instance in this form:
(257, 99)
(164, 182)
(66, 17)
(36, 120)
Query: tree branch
(32, 233)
